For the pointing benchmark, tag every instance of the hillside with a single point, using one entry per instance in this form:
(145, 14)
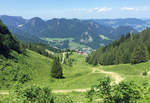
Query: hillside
(84, 32)
(133, 48)
(8, 42)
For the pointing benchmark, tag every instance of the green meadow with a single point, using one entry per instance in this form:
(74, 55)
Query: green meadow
(80, 76)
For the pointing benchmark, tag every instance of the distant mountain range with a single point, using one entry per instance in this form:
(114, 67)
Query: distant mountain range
(90, 33)
(137, 24)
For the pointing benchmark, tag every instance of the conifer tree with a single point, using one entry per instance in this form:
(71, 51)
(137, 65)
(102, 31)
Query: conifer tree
(140, 54)
(56, 70)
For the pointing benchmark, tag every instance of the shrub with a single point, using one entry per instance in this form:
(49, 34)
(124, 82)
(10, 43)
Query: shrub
(144, 73)
(124, 92)
(34, 94)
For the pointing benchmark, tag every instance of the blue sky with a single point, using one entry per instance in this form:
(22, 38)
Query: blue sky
(82, 9)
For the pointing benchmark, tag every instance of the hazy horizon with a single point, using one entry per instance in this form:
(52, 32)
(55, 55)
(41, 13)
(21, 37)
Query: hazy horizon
(89, 9)
(73, 18)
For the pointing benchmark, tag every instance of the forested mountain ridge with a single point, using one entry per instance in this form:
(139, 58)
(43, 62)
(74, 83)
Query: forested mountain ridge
(85, 32)
(133, 48)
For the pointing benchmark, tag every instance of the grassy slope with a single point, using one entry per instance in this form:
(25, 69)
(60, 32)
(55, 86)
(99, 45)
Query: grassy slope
(130, 72)
(32, 62)
(78, 76)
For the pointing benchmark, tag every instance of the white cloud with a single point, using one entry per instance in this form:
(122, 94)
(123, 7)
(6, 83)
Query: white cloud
(104, 9)
(91, 10)
(135, 9)
(129, 9)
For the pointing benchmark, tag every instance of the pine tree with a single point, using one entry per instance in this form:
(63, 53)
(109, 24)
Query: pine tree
(140, 54)
(56, 70)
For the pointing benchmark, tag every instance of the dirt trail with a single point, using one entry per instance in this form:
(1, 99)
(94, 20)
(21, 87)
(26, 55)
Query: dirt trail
(58, 91)
(63, 58)
(115, 76)
(4, 93)
(71, 90)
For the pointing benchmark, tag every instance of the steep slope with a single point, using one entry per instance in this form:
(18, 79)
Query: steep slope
(134, 48)
(23, 69)
(7, 41)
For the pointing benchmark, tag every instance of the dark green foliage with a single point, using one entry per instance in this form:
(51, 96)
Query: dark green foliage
(144, 73)
(8, 42)
(56, 70)
(124, 92)
(127, 92)
(34, 94)
(133, 48)
(140, 54)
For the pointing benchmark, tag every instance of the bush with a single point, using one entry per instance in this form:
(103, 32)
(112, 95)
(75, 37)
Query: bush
(124, 92)
(144, 73)
(34, 94)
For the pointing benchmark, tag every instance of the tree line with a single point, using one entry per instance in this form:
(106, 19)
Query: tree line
(132, 48)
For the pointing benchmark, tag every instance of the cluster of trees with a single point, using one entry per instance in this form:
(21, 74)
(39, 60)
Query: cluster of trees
(67, 59)
(124, 92)
(132, 48)
(8, 42)
(42, 49)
